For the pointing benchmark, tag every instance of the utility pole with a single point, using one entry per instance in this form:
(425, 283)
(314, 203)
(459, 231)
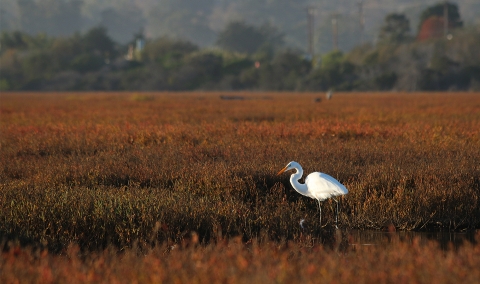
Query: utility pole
(311, 12)
(445, 19)
(335, 30)
(362, 20)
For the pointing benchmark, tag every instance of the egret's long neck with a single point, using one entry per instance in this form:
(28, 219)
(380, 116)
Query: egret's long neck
(299, 187)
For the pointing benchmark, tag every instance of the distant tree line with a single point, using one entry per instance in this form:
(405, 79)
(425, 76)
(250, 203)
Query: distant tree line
(247, 57)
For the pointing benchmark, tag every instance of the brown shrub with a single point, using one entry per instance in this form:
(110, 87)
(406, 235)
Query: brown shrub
(255, 262)
(101, 169)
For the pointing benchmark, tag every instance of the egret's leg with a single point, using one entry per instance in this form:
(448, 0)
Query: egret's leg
(336, 216)
(320, 208)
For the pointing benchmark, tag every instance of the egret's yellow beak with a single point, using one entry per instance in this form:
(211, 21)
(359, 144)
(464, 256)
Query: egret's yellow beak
(282, 170)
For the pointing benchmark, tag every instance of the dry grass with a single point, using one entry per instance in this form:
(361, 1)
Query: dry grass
(101, 169)
(236, 262)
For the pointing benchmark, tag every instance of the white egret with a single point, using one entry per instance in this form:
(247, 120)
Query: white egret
(317, 185)
(329, 94)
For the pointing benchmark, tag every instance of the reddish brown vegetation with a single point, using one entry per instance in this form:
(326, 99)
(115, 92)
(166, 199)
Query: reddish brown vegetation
(103, 169)
(140, 173)
(235, 262)
(433, 27)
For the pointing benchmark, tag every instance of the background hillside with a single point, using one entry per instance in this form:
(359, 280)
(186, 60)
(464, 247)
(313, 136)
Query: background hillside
(200, 21)
(239, 45)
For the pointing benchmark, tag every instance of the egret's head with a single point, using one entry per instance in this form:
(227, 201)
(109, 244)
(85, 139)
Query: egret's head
(290, 166)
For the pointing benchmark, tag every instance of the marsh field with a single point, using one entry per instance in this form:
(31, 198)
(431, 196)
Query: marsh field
(183, 187)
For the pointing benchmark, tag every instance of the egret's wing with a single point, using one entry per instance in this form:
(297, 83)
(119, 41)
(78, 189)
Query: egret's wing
(323, 186)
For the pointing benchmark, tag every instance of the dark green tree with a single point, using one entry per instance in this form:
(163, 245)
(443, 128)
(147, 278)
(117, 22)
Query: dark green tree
(98, 40)
(240, 37)
(285, 72)
(14, 40)
(86, 62)
(167, 52)
(438, 10)
(335, 72)
(286, 15)
(198, 70)
(395, 29)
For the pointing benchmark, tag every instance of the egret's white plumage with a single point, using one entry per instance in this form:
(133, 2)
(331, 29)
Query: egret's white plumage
(329, 94)
(317, 185)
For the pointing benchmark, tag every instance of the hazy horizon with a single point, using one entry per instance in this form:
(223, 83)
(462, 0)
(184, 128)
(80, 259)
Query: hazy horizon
(199, 21)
